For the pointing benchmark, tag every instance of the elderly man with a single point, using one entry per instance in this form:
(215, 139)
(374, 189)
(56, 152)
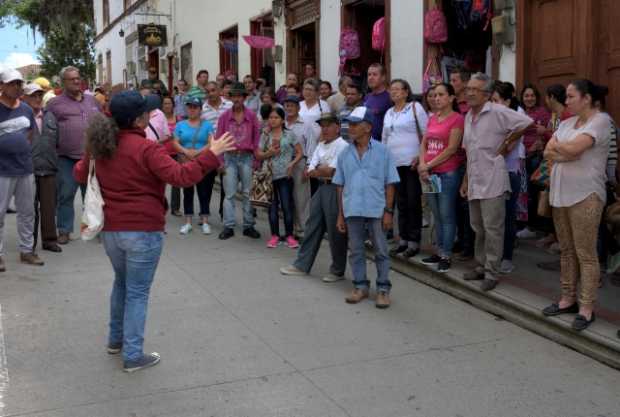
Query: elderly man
(72, 111)
(490, 130)
(45, 163)
(243, 125)
(17, 124)
(365, 176)
(324, 207)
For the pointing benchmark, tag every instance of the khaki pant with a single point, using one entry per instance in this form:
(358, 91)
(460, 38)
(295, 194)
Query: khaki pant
(301, 196)
(487, 219)
(577, 230)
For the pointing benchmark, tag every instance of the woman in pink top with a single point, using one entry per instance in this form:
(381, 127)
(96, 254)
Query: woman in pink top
(440, 156)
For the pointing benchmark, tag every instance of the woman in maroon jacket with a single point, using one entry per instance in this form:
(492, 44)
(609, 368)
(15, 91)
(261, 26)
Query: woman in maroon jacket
(133, 173)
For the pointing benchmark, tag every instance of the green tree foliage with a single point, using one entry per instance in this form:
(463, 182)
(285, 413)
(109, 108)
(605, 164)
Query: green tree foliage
(66, 25)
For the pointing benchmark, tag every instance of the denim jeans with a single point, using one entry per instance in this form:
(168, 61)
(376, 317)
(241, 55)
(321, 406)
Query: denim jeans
(358, 227)
(66, 187)
(443, 206)
(510, 227)
(238, 168)
(134, 257)
(282, 197)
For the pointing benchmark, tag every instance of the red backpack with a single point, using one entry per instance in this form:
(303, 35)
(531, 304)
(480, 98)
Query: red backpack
(349, 46)
(378, 35)
(435, 26)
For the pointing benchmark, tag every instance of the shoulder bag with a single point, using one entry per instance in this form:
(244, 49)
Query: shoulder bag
(261, 193)
(92, 216)
(183, 158)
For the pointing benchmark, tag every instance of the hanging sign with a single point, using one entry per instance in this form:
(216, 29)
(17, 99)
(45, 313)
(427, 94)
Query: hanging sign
(152, 35)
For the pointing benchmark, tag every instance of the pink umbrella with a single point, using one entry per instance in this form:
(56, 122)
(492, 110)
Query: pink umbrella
(259, 42)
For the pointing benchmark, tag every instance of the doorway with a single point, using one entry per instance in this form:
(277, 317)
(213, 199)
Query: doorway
(229, 51)
(303, 48)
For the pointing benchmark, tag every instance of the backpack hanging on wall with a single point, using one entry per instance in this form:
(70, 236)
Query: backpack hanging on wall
(435, 26)
(378, 35)
(349, 46)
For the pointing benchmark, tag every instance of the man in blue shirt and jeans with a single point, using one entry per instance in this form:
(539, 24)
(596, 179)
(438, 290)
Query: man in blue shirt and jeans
(365, 176)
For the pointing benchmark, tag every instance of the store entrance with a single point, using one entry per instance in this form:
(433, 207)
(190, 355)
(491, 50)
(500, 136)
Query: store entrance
(302, 48)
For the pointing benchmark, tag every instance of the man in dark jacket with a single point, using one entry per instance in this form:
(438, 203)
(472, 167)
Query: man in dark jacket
(45, 166)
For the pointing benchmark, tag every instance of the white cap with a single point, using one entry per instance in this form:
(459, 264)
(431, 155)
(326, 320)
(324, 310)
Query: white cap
(11, 75)
(32, 88)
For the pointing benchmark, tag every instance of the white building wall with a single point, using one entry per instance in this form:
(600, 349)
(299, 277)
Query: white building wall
(329, 54)
(202, 25)
(407, 41)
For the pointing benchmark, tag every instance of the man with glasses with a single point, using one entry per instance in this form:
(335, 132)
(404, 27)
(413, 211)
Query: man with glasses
(72, 111)
(490, 130)
(17, 125)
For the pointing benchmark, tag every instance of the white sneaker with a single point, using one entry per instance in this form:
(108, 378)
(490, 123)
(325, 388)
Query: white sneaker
(332, 278)
(185, 229)
(526, 234)
(291, 270)
(506, 267)
(206, 229)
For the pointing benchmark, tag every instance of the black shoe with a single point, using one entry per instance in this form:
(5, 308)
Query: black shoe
(488, 284)
(618, 334)
(444, 265)
(397, 250)
(146, 361)
(555, 310)
(10, 211)
(52, 247)
(431, 260)
(227, 233)
(410, 253)
(581, 323)
(251, 232)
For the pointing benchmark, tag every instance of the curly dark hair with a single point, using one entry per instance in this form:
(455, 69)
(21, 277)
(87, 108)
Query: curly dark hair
(101, 137)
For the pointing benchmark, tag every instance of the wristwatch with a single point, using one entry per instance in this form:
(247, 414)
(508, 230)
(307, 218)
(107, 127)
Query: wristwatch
(389, 210)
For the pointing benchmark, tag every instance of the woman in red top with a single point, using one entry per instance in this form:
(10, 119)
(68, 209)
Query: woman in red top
(167, 106)
(132, 173)
(440, 157)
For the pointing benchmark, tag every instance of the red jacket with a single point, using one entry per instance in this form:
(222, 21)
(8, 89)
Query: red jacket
(134, 180)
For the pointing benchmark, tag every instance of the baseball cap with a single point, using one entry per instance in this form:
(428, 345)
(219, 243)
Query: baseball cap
(360, 114)
(42, 82)
(194, 101)
(11, 75)
(127, 106)
(328, 117)
(292, 99)
(32, 88)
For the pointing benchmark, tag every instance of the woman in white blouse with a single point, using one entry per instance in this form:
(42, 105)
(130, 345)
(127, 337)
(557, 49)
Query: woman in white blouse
(403, 127)
(579, 150)
(310, 110)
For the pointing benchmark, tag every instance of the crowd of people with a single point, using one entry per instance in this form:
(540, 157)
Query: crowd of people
(490, 165)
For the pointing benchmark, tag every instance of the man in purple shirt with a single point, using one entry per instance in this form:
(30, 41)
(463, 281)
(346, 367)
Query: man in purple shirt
(378, 99)
(243, 125)
(72, 111)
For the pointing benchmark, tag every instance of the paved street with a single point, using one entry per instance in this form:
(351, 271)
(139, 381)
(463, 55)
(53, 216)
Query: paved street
(239, 339)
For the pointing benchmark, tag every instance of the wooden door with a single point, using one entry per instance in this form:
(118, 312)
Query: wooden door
(607, 60)
(557, 41)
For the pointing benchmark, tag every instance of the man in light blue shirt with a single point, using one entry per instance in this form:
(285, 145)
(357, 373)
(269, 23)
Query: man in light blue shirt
(365, 176)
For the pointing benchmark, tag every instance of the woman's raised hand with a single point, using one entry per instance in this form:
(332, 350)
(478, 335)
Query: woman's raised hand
(223, 144)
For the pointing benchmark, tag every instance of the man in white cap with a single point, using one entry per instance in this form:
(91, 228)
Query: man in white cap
(45, 162)
(16, 170)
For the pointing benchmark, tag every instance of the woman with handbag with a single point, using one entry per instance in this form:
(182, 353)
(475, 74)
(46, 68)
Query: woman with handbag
(281, 151)
(132, 173)
(403, 128)
(579, 150)
(440, 155)
(191, 139)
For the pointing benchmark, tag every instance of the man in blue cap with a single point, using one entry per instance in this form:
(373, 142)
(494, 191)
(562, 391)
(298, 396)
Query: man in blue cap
(365, 176)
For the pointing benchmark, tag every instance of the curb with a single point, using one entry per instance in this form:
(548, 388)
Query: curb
(589, 343)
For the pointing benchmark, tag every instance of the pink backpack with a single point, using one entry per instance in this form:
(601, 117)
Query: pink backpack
(435, 26)
(349, 46)
(378, 35)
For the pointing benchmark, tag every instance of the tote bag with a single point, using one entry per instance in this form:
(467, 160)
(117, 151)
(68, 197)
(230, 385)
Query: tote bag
(92, 216)
(261, 193)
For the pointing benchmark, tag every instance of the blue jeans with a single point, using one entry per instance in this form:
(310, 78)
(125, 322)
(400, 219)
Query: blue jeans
(510, 227)
(443, 206)
(66, 187)
(134, 257)
(282, 196)
(358, 227)
(238, 168)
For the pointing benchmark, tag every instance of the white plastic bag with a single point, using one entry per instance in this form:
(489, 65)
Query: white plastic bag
(92, 216)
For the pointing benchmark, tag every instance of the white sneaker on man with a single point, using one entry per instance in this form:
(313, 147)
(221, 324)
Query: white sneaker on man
(186, 229)
(506, 267)
(206, 229)
(332, 278)
(291, 270)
